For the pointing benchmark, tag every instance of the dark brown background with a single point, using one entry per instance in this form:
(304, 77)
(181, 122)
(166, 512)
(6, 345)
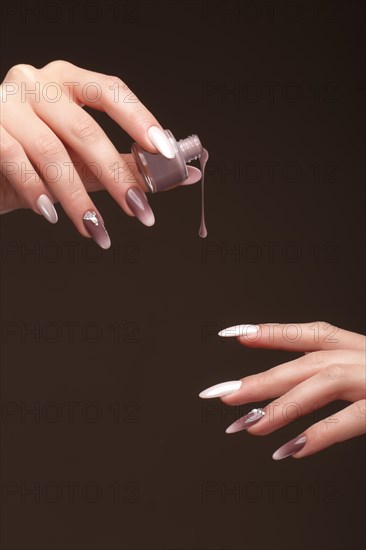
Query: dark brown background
(286, 167)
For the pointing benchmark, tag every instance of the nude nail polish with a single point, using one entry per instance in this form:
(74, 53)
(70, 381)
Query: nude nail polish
(95, 227)
(160, 172)
(45, 206)
(137, 201)
(161, 142)
(290, 448)
(220, 390)
(246, 421)
(239, 330)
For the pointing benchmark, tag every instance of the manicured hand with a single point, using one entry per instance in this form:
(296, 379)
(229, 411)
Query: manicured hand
(332, 368)
(53, 150)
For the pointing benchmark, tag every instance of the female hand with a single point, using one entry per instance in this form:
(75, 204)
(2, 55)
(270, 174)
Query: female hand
(332, 368)
(53, 150)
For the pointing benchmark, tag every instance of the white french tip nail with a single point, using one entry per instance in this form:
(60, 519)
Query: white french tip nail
(220, 390)
(239, 330)
(160, 140)
(149, 220)
(46, 208)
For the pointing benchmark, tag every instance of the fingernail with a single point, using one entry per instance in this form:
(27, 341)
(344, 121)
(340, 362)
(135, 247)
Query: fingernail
(137, 201)
(160, 140)
(239, 330)
(95, 227)
(245, 421)
(46, 208)
(290, 448)
(225, 388)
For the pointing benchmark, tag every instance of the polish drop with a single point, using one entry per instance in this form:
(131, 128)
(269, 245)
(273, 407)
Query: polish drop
(203, 160)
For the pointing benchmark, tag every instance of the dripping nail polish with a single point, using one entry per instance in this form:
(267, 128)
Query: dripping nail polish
(161, 173)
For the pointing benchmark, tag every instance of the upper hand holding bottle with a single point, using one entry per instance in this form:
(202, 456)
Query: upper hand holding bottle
(53, 150)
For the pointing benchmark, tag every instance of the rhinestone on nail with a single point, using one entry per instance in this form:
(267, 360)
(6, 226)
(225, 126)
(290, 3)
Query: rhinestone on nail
(91, 216)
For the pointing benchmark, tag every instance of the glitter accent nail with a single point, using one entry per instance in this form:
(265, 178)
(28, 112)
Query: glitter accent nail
(95, 227)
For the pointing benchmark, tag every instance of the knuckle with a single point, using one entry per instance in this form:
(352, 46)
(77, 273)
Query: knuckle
(140, 116)
(115, 82)
(57, 64)
(49, 146)
(76, 193)
(86, 128)
(10, 148)
(325, 327)
(359, 409)
(117, 90)
(115, 170)
(263, 379)
(326, 426)
(314, 358)
(21, 71)
(334, 372)
(321, 323)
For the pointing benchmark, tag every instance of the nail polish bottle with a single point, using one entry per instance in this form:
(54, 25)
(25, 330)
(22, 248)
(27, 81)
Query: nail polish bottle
(160, 173)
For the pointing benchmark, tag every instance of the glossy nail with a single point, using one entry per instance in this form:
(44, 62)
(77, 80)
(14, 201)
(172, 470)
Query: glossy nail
(290, 448)
(46, 208)
(219, 390)
(239, 330)
(245, 421)
(160, 140)
(95, 227)
(137, 201)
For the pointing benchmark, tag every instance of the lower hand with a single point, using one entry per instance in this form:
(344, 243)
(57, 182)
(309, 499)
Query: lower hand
(332, 368)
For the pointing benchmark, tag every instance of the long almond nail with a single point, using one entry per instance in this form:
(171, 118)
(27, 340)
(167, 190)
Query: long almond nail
(239, 330)
(46, 208)
(160, 140)
(245, 421)
(137, 201)
(290, 448)
(95, 227)
(219, 390)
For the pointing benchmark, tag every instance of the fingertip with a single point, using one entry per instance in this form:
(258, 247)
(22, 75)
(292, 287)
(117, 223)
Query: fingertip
(159, 139)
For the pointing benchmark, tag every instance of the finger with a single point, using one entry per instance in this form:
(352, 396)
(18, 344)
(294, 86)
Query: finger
(81, 132)
(18, 170)
(348, 423)
(53, 163)
(112, 95)
(194, 174)
(329, 384)
(282, 378)
(92, 183)
(9, 200)
(296, 336)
